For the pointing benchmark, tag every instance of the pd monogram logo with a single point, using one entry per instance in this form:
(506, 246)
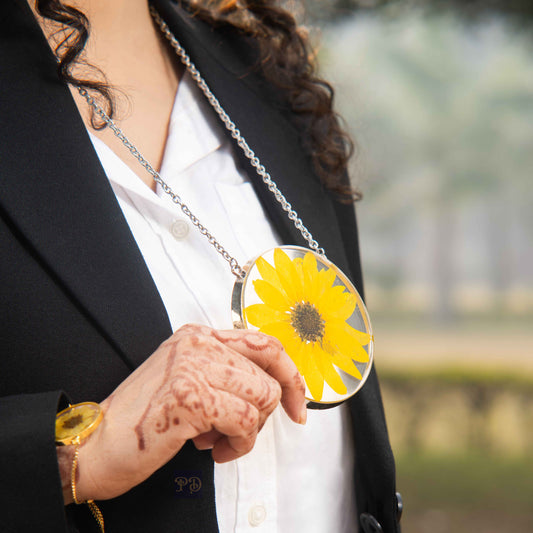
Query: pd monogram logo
(188, 484)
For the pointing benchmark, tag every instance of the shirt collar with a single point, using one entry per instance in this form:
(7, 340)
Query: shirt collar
(193, 134)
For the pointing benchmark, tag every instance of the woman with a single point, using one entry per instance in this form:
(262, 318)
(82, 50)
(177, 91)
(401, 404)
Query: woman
(97, 274)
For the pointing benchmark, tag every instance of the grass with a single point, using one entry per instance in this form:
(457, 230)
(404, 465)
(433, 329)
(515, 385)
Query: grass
(459, 375)
(422, 367)
(466, 481)
(470, 492)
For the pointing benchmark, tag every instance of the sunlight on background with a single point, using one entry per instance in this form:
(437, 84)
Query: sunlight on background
(441, 107)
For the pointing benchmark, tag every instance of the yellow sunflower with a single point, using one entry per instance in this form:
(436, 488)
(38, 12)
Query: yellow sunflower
(308, 314)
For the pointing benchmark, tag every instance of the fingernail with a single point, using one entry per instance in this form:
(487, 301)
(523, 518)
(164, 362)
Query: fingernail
(303, 414)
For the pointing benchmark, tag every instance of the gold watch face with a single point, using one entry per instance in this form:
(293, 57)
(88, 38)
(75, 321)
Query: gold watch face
(77, 422)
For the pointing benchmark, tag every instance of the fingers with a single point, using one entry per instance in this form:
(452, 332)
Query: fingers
(221, 368)
(225, 448)
(268, 353)
(248, 382)
(239, 429)
(231, 448)
(206, 441)
(263, 351)
(225, 417)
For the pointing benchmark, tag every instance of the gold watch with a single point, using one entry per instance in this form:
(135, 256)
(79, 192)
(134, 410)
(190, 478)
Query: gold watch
(74, 424)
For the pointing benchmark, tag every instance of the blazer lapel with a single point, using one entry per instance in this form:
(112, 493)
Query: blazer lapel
(262, 123)
(85, 243)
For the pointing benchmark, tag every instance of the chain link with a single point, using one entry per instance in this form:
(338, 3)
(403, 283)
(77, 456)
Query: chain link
(236, 269)
(236, 134)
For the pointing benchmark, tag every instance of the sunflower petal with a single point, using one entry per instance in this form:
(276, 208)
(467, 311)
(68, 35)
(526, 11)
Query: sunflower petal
(340, 307)
(288, 275)
(336, 336)
(310, 277)
(298, 264)
(339, 337)
(268, 273)
(339, 357)
(305, 357)
(325, 280)
(332, 376)
(346, 364)
(261, 314)
(331, 300)
(329, 277)
(271, 296)
(359, 354)
(295, 350)
(313, 377)
(283, 331)
(362, 337)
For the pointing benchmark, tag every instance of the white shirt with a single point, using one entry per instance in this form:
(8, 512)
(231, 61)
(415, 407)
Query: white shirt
(297, 478)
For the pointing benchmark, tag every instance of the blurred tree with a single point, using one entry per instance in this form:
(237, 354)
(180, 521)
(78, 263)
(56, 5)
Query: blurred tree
(337, 9)
(444, 112)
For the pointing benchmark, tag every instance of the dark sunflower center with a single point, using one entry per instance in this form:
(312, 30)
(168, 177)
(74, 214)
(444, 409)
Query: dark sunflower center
(73, 421)
(307, 322)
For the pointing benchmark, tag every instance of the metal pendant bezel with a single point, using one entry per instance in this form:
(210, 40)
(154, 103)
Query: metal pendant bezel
(243, 287)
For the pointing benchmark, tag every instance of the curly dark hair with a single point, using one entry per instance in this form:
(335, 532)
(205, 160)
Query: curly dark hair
(285, 60)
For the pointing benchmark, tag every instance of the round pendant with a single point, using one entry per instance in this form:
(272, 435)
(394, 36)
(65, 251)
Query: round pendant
(311, 307)
(77, 422)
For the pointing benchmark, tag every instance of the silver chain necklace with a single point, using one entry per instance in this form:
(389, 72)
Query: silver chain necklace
(236, 269)
(316, 288)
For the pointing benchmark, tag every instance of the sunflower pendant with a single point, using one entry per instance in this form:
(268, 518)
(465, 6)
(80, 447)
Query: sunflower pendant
(312, 308)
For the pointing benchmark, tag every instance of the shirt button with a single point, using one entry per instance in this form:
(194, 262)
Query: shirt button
(179, 229)
(256, 515)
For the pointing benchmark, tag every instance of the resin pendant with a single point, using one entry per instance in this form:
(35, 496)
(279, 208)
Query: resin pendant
(311, 307)
(77, 422)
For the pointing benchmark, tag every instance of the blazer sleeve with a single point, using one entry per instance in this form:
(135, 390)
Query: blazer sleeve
(31, 497)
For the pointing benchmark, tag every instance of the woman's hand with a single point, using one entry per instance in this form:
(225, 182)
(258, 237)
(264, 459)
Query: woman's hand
(215, 387)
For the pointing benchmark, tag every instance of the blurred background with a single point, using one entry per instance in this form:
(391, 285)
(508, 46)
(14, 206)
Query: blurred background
(439, 98)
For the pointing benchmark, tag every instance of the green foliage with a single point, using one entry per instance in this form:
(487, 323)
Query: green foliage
(519, 10)
(442, 110)
(491, 378)
(444, 107)
(466, 481)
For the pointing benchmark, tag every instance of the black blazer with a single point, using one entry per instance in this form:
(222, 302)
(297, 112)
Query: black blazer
(79, 309)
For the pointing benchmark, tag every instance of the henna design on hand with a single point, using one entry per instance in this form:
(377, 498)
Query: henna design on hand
(139, 427)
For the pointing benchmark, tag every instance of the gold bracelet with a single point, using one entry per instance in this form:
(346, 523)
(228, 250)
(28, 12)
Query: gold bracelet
(92, 506)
